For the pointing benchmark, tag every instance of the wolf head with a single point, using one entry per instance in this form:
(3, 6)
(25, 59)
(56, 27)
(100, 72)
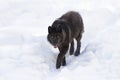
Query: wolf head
(55, 36)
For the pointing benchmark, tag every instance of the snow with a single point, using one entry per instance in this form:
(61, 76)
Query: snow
(25, 53)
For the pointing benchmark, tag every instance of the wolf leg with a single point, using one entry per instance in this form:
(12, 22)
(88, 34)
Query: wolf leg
(72, 48)
(61, 56)
(77, 52)
(64, 62)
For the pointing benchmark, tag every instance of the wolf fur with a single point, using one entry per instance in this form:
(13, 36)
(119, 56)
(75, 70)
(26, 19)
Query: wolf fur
(63, 32)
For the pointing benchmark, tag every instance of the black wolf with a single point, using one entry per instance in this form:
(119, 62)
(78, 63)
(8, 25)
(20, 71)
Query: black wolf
(63, 31)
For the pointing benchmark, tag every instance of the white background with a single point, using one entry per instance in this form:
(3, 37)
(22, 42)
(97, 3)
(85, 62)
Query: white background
(25, 53)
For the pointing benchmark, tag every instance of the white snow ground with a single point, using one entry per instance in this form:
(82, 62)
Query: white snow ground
(25, 53)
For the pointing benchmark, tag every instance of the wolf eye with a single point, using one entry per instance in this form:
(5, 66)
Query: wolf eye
(58, 37)
(52, 37)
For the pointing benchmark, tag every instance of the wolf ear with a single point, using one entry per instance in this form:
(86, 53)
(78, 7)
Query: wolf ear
(59, 28)
(49, 29)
